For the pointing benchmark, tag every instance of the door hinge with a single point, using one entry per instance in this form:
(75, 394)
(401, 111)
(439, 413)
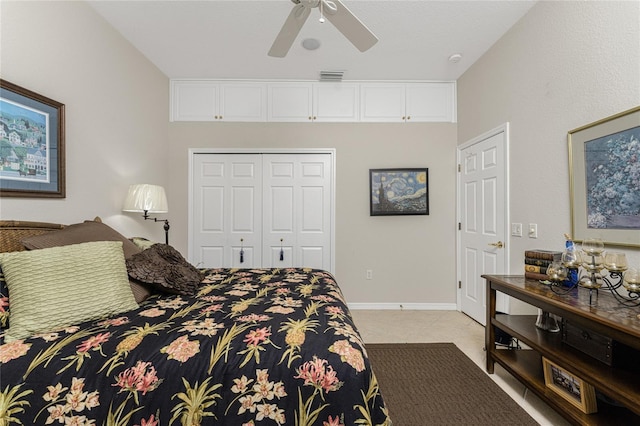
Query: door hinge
(459, 168)
(459, 226)
(459, 284)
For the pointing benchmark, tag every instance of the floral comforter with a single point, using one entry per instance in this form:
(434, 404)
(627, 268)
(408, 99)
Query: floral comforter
(254, 347)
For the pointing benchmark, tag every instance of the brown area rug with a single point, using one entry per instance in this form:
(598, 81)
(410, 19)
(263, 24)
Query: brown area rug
(437, 384)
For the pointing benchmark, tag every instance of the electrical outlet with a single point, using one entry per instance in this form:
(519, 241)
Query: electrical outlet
(369, 274)
(533, 230)
(516, 229)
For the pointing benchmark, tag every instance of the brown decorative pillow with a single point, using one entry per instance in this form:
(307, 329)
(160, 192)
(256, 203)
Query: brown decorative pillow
(88, 231)
(84, 232)
(163, 267)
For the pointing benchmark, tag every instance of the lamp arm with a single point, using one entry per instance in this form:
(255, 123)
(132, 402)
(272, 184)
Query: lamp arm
(155, 219)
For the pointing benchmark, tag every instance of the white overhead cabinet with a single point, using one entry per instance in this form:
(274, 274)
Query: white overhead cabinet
(290, 102)
(309, 102)
(262, 210)
(202, 100)
(407, 102)
(305, 101)
(336, 102)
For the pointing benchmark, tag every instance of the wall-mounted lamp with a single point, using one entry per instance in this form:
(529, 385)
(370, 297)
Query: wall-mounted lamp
(148, 199)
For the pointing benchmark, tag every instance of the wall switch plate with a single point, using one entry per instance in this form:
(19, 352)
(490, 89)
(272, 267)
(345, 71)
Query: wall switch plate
(516, 229)
(369, 274)
(533, 230)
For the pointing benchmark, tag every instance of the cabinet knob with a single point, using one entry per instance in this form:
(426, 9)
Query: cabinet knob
(408, 117)
(404, 118)
(314, 117)
(310, 118)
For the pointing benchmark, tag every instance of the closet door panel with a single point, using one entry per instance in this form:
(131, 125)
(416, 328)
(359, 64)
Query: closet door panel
(308, 179)
(227, 210)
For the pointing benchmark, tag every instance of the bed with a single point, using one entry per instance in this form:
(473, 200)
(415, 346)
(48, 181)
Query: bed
(240, 347)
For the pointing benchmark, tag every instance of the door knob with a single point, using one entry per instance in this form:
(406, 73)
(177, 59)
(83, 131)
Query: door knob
(498, 244)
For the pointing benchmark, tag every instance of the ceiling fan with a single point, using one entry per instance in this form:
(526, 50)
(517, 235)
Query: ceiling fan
(336, 12)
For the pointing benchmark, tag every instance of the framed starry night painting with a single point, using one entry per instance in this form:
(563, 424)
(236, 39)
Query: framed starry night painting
(399, 191)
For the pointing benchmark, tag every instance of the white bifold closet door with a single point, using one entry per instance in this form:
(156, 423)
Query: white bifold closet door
(262, 210)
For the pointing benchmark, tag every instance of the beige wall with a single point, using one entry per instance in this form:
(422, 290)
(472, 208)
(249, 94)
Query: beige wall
(563, 65)
(116, 109)
(412, 258)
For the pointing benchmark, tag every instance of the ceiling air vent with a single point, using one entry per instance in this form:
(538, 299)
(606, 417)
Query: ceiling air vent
(331, 75)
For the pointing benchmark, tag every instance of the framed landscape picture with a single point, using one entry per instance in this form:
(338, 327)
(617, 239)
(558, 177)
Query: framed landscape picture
(571, 388)
(32, 162)
(604, 173)
(399, 191)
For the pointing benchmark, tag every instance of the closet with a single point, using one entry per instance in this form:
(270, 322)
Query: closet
(262, 209)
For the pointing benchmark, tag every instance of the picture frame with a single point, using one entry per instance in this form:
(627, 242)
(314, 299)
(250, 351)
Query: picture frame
(32, 144)
(603, 176)
(400, 191)
(571, 388)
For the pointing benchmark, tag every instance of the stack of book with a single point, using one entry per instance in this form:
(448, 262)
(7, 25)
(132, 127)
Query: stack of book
(537, 261)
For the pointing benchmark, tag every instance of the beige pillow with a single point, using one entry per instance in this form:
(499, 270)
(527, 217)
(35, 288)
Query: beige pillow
(85, 232)
(60, 286)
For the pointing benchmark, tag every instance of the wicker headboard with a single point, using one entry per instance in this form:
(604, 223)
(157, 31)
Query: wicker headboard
(12, 231)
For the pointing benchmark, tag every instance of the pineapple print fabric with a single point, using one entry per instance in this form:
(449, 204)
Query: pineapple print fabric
(253, 347)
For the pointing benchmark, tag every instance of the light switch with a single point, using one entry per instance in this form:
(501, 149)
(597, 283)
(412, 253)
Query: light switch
(516, 229)
(533, 230)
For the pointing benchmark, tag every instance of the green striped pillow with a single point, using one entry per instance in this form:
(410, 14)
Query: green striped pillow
(52, 288)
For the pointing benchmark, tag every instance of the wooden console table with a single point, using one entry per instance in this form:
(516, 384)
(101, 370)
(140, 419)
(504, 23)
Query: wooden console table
(605, 317)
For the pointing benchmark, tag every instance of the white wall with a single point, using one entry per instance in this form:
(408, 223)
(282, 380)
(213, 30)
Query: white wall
(563, 65)
(116, 109)
(412, 257)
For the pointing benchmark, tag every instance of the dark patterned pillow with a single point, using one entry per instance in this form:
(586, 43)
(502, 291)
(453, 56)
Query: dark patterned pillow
(163, 268)
(4, 303)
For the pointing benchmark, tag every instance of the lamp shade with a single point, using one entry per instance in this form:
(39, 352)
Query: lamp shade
(146, 198)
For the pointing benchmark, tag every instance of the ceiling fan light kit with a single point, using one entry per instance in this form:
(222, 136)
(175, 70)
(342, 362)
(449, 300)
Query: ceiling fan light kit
(336, 12)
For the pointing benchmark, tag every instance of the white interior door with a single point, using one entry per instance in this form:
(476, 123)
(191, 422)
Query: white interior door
(227, 210)
(482, 201)
(297, 207)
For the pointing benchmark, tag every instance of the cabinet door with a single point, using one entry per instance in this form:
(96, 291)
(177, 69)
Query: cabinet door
(290, 102)
(297, 210)
(430, 102)
(227, 210)
(382, 102)
(194, 101)
(336, 102)
(243, 102)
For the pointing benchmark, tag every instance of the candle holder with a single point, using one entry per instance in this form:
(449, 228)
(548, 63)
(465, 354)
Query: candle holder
(607, 270)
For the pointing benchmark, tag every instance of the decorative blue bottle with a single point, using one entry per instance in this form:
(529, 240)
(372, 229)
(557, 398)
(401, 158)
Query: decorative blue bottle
(572, 276)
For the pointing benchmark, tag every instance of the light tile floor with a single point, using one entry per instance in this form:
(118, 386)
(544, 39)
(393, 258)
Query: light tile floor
(393, 326)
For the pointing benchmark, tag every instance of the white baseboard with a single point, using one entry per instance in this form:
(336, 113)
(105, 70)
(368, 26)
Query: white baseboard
(404, 306)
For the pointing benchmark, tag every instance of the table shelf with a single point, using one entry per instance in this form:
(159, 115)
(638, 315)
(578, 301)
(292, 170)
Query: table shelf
(615, 383)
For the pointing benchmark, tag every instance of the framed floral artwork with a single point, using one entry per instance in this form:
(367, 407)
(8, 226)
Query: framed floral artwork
(399, 192)
(604, 173)
(32, 162)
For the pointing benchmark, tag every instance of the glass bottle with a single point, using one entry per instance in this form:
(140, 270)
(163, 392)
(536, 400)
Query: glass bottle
(571, 261)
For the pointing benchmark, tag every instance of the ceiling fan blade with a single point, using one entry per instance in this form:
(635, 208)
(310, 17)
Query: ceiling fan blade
(350, 26)
(289, 31)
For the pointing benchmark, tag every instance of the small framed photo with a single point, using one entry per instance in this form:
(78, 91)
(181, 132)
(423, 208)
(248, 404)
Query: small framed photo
(32, 133)
(573, 389)
(399, 192)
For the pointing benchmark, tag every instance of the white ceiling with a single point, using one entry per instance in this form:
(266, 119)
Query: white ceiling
(230, 39)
